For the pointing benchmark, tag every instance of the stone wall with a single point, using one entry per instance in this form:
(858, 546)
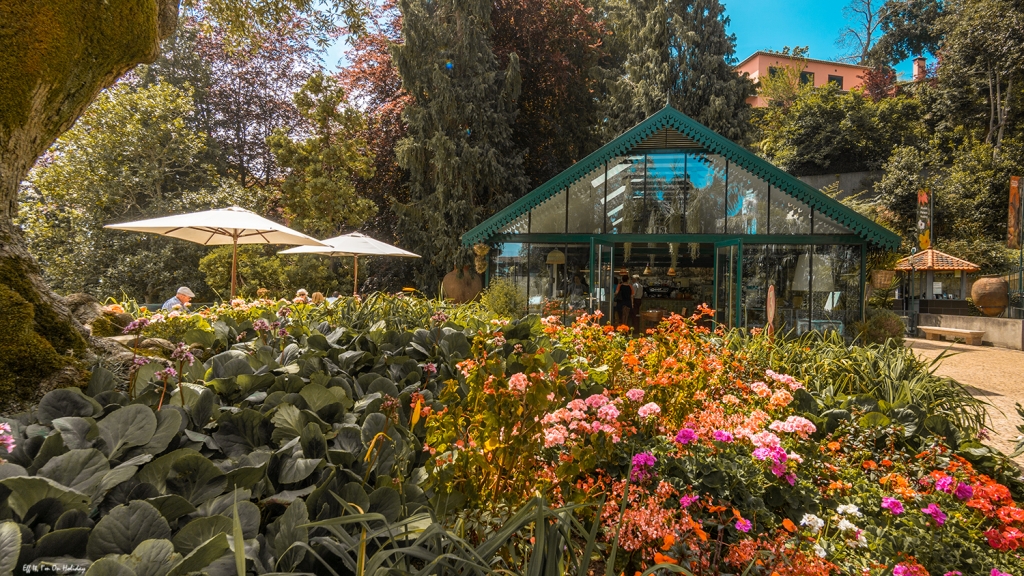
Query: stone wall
(1001, 332)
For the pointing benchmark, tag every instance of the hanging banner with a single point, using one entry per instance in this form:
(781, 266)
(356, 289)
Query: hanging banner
(924, 219)
(1014, 223)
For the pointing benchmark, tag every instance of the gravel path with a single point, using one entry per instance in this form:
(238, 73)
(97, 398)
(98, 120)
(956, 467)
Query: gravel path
(995, 375)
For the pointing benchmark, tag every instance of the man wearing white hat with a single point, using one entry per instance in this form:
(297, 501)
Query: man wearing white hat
(181, 299)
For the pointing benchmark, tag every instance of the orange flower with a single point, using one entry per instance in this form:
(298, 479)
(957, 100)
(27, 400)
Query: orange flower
(670, 539)
(887, 463)
(714, 509)
(622, 328)
(834, 446)
(660, 558)
(870, 465)
(788, 525)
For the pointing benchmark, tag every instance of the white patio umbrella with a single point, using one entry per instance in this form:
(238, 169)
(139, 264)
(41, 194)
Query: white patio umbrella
(355, 245)
(232, 225)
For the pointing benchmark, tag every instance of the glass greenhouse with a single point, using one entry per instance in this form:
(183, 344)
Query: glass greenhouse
(693, 217)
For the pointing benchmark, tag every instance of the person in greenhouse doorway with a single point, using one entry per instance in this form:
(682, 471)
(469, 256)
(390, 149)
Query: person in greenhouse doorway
(181, 299)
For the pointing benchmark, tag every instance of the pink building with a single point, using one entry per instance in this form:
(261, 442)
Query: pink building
(818, 72)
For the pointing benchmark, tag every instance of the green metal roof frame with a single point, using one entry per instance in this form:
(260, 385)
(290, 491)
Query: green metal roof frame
(712, 142)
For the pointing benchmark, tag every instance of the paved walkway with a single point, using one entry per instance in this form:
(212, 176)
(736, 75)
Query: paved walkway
(995, 375)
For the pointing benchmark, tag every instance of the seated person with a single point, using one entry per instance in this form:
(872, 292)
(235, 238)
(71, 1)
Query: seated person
(181, 299)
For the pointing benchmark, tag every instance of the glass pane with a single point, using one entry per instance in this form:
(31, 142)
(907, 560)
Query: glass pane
(586, 204)
(725, 300)
(836, 284)
(625, 193)
(518, 226)
(825, 225)
(685, 194)
(747, 210)
(780, 265)
(788, 215)
(511, 264)
(602, 287)
(550, 216)
(755, 286)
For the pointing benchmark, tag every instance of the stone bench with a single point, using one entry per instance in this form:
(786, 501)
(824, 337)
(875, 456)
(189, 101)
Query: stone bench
(972, 337)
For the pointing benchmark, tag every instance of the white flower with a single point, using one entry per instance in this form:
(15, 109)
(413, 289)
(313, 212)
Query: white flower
(861, 541)
(850, 509)
(845, 525)
(812, 522)
(819, 551)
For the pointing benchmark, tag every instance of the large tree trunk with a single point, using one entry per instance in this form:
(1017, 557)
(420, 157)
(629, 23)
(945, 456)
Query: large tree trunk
(55, 58)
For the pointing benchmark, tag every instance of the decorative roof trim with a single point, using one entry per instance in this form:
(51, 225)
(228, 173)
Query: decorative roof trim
(713, 143)
(932, 259)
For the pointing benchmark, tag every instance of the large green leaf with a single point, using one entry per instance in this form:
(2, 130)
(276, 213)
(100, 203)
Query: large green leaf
(289, 530)
(80, 470)
(64, 402)
(241, 432)
(167, 427)
(202, 556)
(172, 506)
(77, 432)
(295, 469)
(10, 547)
(195, 478)
(102, 380)
(109, 567)
(156, 472)
(26, 492)
(202, 337)
(152, 558)
(65, 542)
(198, 531)
(133, 425)
(387, 502)
(125, 527)
(228, 364)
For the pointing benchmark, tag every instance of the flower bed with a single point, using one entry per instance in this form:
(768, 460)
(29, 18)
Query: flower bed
(415, 437)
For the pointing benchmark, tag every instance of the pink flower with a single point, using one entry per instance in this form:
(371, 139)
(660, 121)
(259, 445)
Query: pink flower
(518, 382)
(597, 400)
(730, 399)
(430, 368)
(780, 398)
(643, 466)
(761, 389)
(796, 424)
(935, 512)
(765, 440)
(722, 436)
(743, 525)
(555, 436)
(954, 573)
(608, 412)
(892, 505)
(635, 395)
(577, 404)
(784, 379)
(6, 439)
(686, 435)
(998, 572)
(648, 410)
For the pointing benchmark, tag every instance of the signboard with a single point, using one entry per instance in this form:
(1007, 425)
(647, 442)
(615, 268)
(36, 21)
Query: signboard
(1014, 224)
(924, 219)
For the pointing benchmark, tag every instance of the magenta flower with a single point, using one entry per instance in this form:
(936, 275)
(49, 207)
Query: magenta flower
(6, 439)
(743, 525)
(643, 466)
(635, 395)
(722, 436)
(935, 512)
(685, 501)
(963, 491)
(944, 484)
(892, 505)
(686, 435)
(998, 572)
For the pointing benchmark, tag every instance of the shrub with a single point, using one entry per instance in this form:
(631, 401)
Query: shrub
(881, 325)
(504, 298)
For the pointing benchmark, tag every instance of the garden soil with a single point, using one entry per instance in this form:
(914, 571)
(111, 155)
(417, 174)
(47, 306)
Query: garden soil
(995, 375)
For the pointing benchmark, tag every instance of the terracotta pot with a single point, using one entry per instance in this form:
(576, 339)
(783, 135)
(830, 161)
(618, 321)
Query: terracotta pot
(462, 286)
(991, 294)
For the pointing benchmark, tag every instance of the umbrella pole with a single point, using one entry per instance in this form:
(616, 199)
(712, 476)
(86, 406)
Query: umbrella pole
(234, 264)
(355, 276)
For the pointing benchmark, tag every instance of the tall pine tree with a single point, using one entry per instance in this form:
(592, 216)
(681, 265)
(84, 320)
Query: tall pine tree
(458, 151)
(678, 51)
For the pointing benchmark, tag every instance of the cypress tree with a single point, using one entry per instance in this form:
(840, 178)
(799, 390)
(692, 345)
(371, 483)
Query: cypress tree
(678, 51)
(458, 150)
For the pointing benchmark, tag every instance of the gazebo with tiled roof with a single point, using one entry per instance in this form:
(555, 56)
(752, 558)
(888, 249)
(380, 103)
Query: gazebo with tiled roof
(931, 261)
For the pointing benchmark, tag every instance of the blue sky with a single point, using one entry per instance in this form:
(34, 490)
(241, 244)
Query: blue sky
(766, 24)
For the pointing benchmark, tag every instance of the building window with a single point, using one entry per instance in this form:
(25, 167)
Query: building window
(807, 78)
(838, 80)
(774, 71)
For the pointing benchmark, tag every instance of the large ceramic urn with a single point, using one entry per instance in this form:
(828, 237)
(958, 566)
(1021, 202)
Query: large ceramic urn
(462, 285)
(991, 294)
